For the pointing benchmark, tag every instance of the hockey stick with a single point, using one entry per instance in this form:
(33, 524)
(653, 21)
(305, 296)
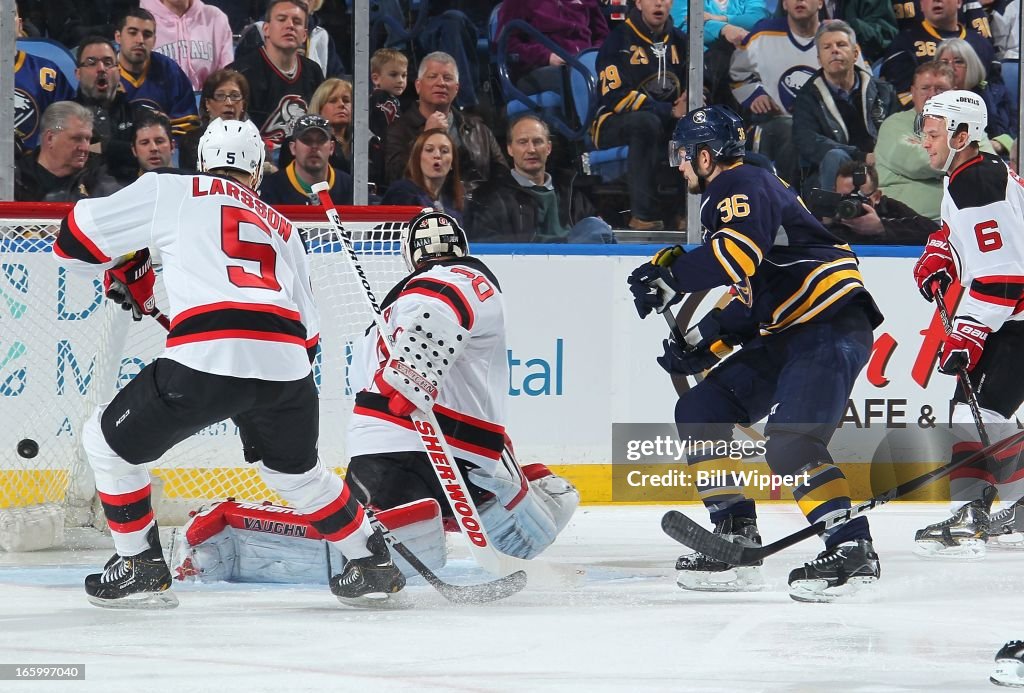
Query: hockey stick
(457, 594)
(688, 532)
(961, 373)
(436, 445)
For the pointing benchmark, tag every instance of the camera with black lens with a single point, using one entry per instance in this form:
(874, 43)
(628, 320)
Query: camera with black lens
(826, 203)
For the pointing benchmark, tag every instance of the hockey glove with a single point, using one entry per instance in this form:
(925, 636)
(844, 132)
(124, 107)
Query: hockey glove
(130, 284)
(652, 283)
(963, 346)
(935, 265)
(704, 346)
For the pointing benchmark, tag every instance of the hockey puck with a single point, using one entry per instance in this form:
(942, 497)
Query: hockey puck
(28, 448)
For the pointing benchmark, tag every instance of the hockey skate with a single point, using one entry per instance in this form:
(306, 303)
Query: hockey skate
(703, 574)
(142, 581)
(1006, 527)
(371, 581)
(962, 536)
(836, 572)
(1009, 665)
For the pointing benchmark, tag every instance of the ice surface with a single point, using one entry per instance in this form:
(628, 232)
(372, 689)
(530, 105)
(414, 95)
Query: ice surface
(927, 626)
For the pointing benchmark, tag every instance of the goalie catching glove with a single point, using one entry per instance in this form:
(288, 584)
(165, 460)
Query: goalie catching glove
(424, 352)
(130, 284)
(653, 284)
(704, 346)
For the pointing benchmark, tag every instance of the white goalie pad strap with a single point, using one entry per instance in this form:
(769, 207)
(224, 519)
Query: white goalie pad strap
(426, 348)
(250, 542)
(560, 497)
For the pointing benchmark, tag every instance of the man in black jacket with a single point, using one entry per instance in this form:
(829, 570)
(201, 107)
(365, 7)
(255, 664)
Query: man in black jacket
(527, 204)
(883, 220)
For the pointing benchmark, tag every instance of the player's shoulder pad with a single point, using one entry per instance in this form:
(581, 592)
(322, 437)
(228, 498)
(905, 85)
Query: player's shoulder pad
(469, 263)
(980, 183)
(745, 179)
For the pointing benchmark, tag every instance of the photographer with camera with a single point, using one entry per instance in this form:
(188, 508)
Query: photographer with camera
(858, 212)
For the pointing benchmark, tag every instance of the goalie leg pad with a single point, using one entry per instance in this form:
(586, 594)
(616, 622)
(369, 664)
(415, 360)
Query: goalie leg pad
(558, 494)
(425, 350)
(418, 525)
(525, 530)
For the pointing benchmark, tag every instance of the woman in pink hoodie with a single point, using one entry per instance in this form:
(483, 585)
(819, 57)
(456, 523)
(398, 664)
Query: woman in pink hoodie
(195, 35)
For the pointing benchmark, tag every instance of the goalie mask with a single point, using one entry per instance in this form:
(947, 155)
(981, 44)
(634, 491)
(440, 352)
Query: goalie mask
(233, 144)
(962, 110)
(432, 235)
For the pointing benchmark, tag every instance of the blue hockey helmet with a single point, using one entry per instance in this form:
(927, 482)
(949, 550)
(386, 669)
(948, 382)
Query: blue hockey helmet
(716, 127)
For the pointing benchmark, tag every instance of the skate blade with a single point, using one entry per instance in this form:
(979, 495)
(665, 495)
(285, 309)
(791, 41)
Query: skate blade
(378, 600)
(1011, 542)
(818, 591)
(1009, 673)
(743, 579)
(966, 550)
(146, 601)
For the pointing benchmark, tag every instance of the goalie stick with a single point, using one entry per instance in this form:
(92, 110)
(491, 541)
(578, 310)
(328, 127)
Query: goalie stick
(436, 446)
(686, 531)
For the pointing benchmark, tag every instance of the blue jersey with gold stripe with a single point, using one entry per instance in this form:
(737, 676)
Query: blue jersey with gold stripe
(38, 82)
(164, 87)
(784, 267)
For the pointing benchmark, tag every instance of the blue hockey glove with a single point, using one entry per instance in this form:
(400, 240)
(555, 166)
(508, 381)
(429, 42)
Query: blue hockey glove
(652, 283)
(704, 346)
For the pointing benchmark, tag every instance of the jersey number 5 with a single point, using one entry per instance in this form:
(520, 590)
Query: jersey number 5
(231, 219)
(987, 233)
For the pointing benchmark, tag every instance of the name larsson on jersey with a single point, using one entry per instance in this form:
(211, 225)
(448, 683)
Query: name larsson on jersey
(218, 186)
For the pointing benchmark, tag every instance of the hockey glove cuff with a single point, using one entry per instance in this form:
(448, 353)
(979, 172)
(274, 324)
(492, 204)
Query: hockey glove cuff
(131, 283)
(653, 284)
(935, 266)
(963, 346)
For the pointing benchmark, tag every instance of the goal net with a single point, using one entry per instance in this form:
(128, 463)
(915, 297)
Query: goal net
(64, 349)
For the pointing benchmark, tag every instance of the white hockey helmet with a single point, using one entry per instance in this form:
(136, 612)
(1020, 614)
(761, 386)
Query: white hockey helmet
(959, 108)
(432, 235)
(233, 144)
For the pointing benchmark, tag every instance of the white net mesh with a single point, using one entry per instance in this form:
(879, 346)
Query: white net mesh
(63, 350)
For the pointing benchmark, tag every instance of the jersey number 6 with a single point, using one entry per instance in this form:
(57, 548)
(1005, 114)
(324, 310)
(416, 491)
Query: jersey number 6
(987, 233)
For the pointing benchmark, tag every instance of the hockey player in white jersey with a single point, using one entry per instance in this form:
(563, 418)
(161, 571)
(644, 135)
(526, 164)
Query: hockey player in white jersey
(450, 299)
(980, 245)
(243, 328)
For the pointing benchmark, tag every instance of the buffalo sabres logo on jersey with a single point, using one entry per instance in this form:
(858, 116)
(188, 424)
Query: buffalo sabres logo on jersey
(791, 82)
(279, 123)
(700, 117)
(26, 114)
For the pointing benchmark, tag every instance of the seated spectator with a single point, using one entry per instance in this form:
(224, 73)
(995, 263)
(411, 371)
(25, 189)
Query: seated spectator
(99, 90)
(317, 44)
(527, 205)
(450, 30)
(729, 20)
(38, 82)
(837, 113)
(918, 44)
(881, 220)
(152, 144)
(431, 176)
(1006, 30)
(225, 95)
(767, 70)
(312, 144)
(969, 74)
(573, 26)
(69, 21)
(193, 34)
(150, 79)
(60, 170)
(902, 163)
(643, 75)
(281, 81)
(333, 101)
(874, 22)
(437, 85)
(389, 73)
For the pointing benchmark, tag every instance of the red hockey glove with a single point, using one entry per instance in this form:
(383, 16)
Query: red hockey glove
(397, 403)
(963, 346)
(935, 265)
(131, 284)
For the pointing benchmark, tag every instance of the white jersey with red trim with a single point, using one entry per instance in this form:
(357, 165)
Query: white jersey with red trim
(472, 400)
(235, 270)
(983, 215)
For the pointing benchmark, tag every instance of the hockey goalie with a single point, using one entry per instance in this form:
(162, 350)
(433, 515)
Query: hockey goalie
(450, 309)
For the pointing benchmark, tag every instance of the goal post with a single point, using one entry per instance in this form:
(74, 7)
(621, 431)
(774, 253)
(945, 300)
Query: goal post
(64, 350)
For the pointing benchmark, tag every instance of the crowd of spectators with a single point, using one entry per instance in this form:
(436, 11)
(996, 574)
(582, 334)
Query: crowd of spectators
(829, 90)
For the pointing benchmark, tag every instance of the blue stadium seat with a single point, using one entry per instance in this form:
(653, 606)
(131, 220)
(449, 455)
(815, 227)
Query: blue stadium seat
(50, 49)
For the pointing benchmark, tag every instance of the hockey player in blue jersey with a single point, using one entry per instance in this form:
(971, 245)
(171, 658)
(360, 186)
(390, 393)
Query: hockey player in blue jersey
(801, 313)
